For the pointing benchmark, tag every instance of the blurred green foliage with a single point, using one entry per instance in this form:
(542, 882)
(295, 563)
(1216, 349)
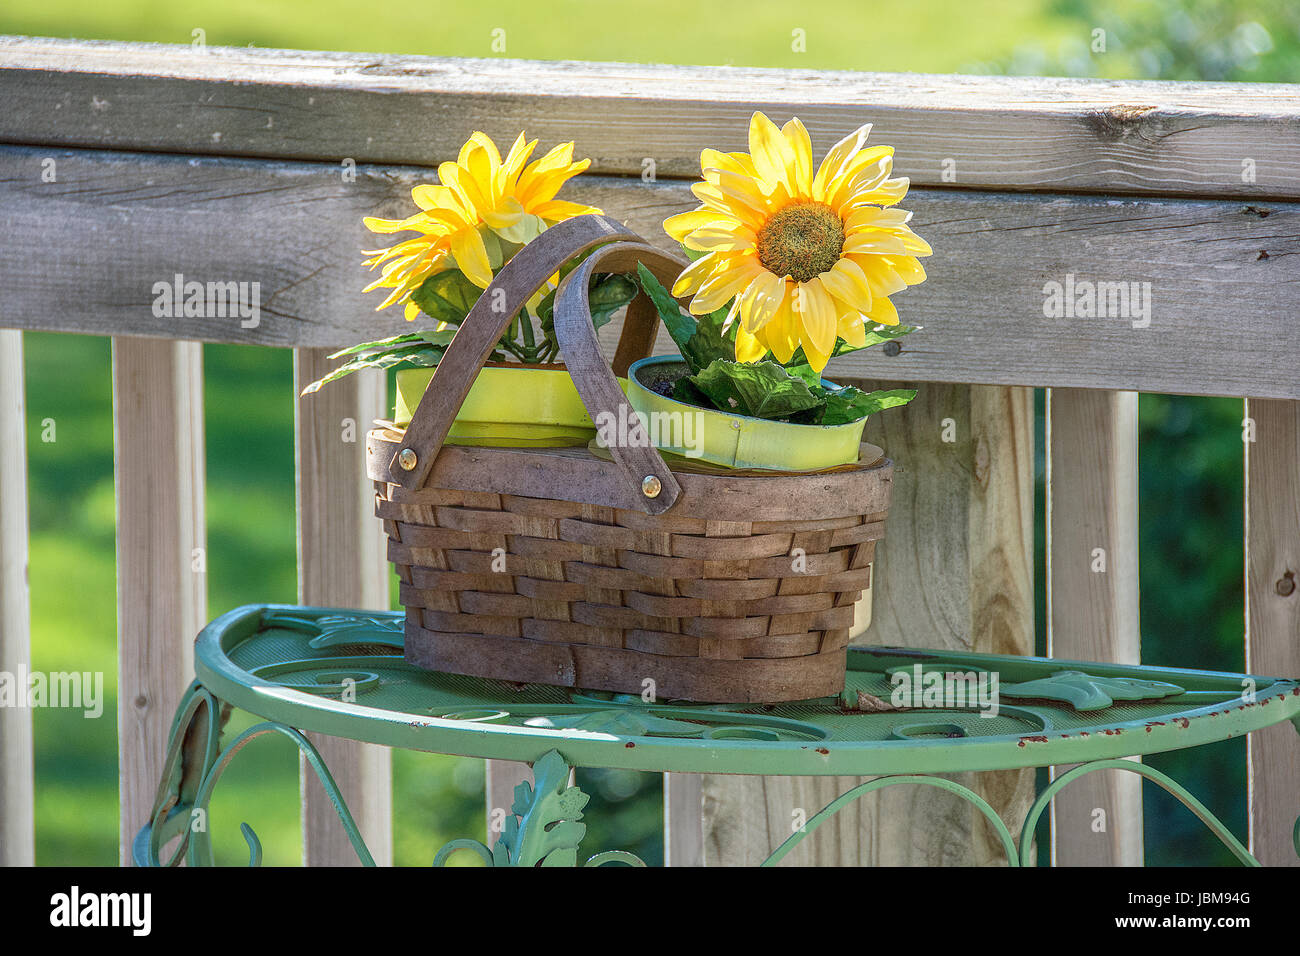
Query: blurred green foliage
(1191, 450)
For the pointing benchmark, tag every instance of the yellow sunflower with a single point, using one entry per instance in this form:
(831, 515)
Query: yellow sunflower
(808, 257)
(481, 200)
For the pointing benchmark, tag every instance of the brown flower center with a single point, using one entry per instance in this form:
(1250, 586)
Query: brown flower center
(801, 241)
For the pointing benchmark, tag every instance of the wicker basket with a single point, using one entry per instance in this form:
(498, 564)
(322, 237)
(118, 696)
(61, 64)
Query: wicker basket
(558, 566)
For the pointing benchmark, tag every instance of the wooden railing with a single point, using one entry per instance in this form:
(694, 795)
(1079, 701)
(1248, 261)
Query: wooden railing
(256, 166)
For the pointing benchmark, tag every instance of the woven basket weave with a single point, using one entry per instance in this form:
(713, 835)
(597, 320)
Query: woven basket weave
(557, 566)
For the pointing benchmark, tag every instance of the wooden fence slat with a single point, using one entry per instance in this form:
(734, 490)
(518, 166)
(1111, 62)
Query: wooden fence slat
(683, 819)
(1196, 255)
(1079, 135)
(1273, 618)
(502, 776)
(341, 563)
(1092, 568)
(17, 784)
(955, 570)
(161, 585)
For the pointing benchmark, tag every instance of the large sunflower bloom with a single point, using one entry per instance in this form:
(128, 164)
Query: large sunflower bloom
(481, 200)
(808, 257)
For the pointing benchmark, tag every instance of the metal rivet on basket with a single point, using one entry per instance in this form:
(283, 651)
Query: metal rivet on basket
(406, 458)
(651, 486)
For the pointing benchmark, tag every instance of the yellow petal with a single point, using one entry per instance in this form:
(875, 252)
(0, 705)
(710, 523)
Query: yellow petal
(867, 156)
(714, 239)
(761, 300)
(908, 268)
(748, 347)
(484, 142)
(481, 167)
(888, 193)
(913, 243)
(770, 151)
(800, 169)
(848, 283)
(724, 285)
(852, 329)
(845, 191)
(514, 163)
(839, 154)
(874, 217)
(782, 333)
(816, 313)
(507, 212)
(882, 278)
(462, 185)
(471, 256)
(429, 196)
(693, 276)
(713, 159)
(557, 210)
(883, 312)
(682, 224)
(873, 241)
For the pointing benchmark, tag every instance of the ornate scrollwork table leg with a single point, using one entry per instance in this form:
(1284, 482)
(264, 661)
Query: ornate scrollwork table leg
(194, 765)
(544, 828)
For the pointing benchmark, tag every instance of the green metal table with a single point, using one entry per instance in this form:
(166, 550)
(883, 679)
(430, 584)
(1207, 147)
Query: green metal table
(905, 715)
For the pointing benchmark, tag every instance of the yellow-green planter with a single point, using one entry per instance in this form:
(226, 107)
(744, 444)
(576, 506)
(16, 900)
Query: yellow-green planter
(508, 405)
(735, 441)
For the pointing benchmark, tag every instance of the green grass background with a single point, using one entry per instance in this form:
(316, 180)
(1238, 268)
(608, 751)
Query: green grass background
(1191, 464)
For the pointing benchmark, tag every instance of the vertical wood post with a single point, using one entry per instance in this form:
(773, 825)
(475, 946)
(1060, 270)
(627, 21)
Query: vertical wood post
(17, 790)
(502, 776)
(955, 570)
(158, 470)
(683, 819)
(1273, 617)
(1092, 598)
(341, 563)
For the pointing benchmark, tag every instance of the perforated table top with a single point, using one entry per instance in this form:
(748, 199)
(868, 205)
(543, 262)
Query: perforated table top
(341, 672)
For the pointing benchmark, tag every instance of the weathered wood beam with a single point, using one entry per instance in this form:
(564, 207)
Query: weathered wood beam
(159, 475)
(1273, 617)
(501, 777)
(955, 570)
(1092, 573)
(108, 237)
(17, 782)
(683, 819)
(987, 132)
(341, 563)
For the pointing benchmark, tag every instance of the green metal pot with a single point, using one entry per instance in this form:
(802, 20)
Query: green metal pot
(508, 405)
(735, 441)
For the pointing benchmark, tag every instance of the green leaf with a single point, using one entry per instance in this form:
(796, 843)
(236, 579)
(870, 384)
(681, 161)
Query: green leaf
(805, 371)
(692, 254)
(607, 294)
(446, 296)
(701, 341)
(528, 228)
(761, 389)
(680, 325)
(440, 339)
(875, 336)
(493, 247)
(380, 344)
(848, 404)
(411, 356)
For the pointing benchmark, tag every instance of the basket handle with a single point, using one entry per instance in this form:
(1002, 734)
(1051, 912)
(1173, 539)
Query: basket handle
(648, 482)
(516, 282)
